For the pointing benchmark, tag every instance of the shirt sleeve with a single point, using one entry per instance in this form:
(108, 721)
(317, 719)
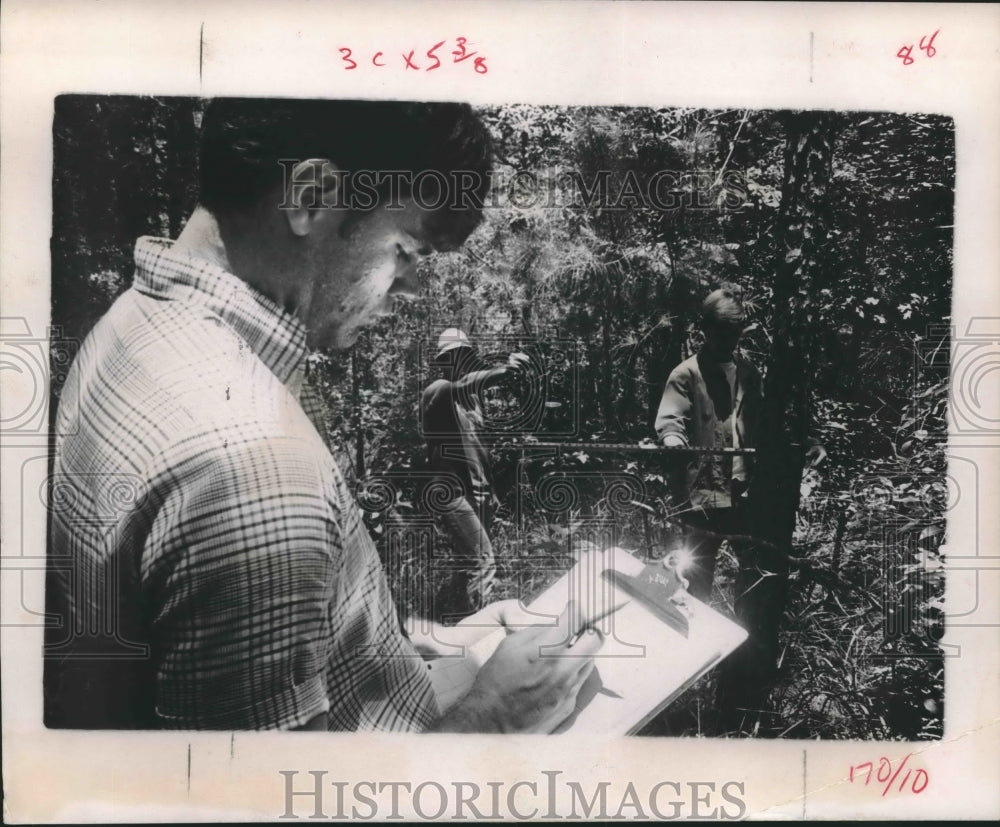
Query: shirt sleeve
(240, 572)
(674, 414)
(437, 406)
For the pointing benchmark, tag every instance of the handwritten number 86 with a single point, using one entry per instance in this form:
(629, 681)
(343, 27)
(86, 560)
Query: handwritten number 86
(905, 52)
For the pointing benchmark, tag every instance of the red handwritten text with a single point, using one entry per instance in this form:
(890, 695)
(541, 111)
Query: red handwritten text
(885, 774)
(415, 60)
(925, 44)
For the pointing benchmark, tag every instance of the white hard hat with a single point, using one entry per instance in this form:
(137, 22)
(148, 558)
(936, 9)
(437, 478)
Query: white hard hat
(452, 339)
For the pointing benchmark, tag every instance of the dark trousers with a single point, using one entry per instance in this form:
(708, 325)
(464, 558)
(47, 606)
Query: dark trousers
(746, 677)
(703, 535)
(473, 568)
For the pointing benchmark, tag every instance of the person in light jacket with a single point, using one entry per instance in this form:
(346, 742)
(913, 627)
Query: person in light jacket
(712, 400)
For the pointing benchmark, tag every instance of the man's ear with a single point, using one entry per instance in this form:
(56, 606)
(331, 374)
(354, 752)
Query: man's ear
(312, 190)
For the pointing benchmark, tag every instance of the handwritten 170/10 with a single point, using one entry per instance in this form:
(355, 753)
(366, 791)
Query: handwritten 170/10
(435, 57)
(885, 775)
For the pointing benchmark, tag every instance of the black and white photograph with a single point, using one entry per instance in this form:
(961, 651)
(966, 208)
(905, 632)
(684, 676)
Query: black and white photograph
(717, 340)
(416, 419)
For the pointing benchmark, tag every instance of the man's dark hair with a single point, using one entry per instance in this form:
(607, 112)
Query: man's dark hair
(723, 306)
(244, 141)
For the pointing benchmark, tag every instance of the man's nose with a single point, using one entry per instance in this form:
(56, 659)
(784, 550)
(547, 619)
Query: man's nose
(407, 282)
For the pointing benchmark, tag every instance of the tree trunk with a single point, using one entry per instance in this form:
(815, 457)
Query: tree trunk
(783, 429)
(665, 352)
(607, 371)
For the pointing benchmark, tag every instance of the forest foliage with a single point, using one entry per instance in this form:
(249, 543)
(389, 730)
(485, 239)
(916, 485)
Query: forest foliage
(603, 294)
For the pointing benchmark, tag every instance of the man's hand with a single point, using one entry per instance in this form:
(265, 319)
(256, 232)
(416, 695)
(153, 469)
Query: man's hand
(531, 682)
(674, 441)
(517, 362)
(815, 454)
(510, 614)
(433, 640)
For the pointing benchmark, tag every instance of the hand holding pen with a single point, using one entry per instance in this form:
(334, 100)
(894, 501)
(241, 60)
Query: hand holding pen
(584, 624)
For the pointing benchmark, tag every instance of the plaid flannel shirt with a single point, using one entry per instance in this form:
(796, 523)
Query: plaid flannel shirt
(205, 553)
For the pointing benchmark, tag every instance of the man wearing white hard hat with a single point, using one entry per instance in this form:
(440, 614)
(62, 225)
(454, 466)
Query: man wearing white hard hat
(451, 417)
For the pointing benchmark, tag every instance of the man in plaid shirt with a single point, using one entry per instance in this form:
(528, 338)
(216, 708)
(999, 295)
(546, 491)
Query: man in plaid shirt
(206, 559)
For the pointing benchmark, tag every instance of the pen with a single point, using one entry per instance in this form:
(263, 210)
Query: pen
(590, 624)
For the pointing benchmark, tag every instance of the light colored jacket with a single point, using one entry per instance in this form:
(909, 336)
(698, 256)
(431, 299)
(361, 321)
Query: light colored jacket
(695, 399)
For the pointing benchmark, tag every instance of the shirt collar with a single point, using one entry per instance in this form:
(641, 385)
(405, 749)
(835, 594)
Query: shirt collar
(274, 335)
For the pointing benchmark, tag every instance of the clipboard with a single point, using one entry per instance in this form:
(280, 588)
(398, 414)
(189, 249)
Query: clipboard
(655, 647)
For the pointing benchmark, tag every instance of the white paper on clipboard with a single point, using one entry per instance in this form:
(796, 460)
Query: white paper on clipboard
(643, 665)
